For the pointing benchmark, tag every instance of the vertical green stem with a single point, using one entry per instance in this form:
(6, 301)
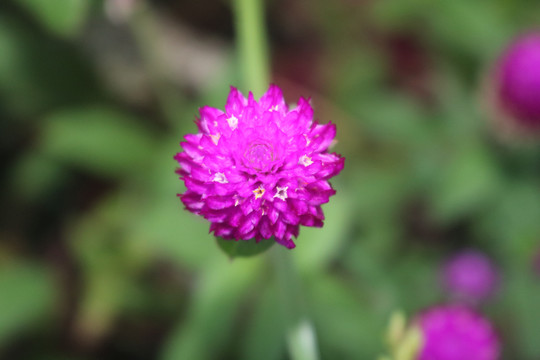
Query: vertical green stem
(253, 58)
(252, 45)
(301, 338)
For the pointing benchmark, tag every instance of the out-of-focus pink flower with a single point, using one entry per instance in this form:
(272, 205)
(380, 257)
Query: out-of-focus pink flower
(457, 333)
(518, 81)
(470, 275)
(259, 170)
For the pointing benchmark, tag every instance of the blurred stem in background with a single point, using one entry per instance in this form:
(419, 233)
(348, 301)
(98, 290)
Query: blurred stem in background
(301, 338)
(143, 27)
(253, 59)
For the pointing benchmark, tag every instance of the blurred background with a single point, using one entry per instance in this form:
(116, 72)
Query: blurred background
(98, 259)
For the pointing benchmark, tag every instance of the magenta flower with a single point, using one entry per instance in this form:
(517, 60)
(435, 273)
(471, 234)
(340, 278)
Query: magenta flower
(457, 333)
(259, 170)
(519, 81)
(470, 275)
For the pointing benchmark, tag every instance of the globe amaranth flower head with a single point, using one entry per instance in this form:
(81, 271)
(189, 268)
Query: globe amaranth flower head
(518, 82)
(470, 275)
(259, 170)
(457, 333)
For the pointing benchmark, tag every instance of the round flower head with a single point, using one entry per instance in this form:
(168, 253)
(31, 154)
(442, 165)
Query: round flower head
(512, 90)
(258, 170)
(457, 333)
(519, 80)
(470, 275)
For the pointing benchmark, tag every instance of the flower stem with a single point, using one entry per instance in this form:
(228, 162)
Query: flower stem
(301, 339)
(253, 59)
(252, 45)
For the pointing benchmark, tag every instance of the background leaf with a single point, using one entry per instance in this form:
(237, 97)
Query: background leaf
(28, 297)
(97, 139)
(62, 17)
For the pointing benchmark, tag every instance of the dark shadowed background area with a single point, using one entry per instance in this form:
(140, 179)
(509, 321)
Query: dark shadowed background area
(98, 259)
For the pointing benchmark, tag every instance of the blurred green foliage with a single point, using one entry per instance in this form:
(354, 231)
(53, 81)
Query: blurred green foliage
(98, 260)
(61, 17)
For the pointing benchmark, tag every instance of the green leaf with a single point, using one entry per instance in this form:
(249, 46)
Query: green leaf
(30, 87)
(378, 191)
(454, 25)
(244, 248)
(98, 139)
(397, 14)
(28, 295)
(519, 315)
(160, 223)
(511, 224)
(318, 247)
(108, 261)
(24, 181)
(348, 325)
(264, 335)
(208, 327)
(465, 184)
(61, 17)
(393, 119)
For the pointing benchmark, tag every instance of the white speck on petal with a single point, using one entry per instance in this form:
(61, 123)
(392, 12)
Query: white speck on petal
(305, 160)
(307, 140)
(220, 178)
(233, 122)
(281, 192)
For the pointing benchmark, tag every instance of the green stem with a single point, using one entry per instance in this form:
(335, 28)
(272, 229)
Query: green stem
(301, 339)
(253, 59)
(252, 45)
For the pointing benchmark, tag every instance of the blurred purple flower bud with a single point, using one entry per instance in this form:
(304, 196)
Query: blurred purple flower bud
(457, 333)
(518, 81)
(470, 275)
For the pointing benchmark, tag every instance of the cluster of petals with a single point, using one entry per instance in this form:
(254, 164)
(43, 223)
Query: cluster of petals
(457, 333)
(470, 275)
(259, 170)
